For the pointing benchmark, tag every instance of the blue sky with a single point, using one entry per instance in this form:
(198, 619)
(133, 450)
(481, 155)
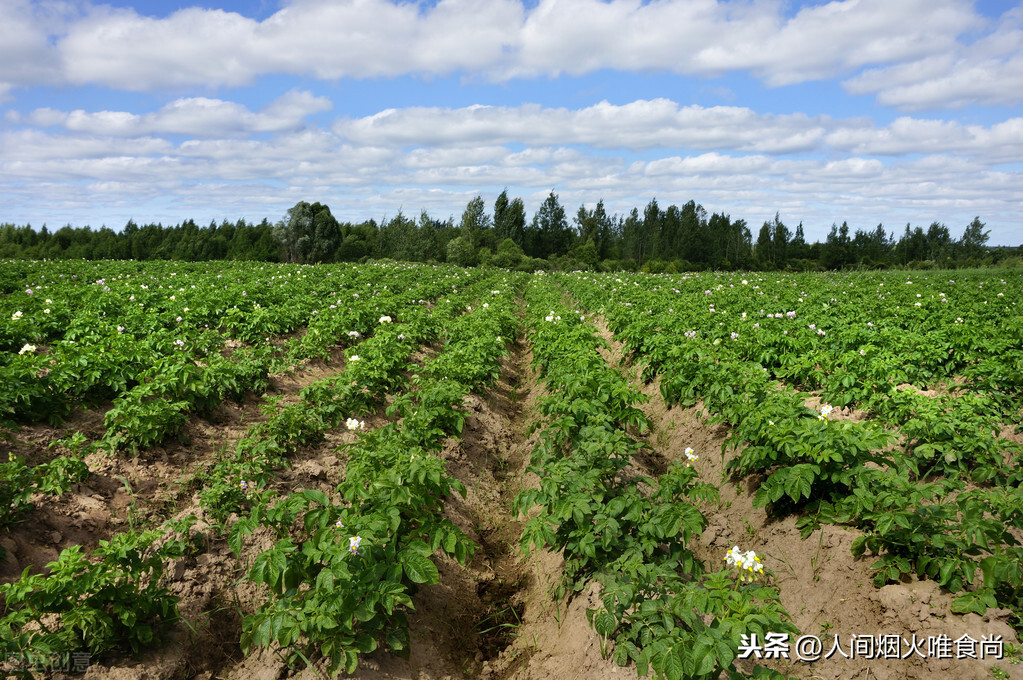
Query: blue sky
(888, 112)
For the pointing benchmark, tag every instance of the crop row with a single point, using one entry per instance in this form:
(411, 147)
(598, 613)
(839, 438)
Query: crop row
(344, 568)
(391, 498)
(661, 606)
(164, 350)
(855, 351)
(913, 504)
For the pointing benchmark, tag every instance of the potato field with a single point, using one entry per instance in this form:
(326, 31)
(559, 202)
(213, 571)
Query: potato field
(258, 471)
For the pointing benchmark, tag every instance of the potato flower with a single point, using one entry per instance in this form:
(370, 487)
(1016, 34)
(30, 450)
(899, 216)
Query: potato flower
(27, 349)
(353, 424)
(353, 544)
(385, 319)
(747, 563)
(826, 410)
(691, 455)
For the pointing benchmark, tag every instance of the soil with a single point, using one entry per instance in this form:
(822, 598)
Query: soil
(496, 618)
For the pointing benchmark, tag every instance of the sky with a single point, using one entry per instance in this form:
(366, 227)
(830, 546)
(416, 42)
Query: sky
(869, 112)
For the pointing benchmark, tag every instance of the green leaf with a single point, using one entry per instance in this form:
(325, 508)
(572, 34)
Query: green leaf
(351, 661)
(672, 667)
(604, 623)
(419, 568)
(450, 541)
(977, 602)
(365, 643)
(621, 655)
(316, 496)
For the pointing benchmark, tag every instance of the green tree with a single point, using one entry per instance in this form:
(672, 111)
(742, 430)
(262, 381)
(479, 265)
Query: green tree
(309, 233)
(509, 219)
(587, 253)
(765, 245)
(871, 248)
(781, 235)
(597, 226)
(974, 241)
(509, 254)
(700, 240)
(397, 238)
(551, 228)
(798, 248)
(939, 243)
(475, 224)
(501, 205)
(649, 231)
(912, 246)
(837, 250)
(424, 242)
(632, 236)
(461, 252)
(326, 235)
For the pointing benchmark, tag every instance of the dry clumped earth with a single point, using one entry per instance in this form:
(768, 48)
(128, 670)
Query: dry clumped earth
(495, 619)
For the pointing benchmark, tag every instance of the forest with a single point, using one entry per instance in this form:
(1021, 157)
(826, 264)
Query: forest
(656, 239)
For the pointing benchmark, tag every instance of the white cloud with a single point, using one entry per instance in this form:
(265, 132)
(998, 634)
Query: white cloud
(433, 158)
(709, 38)
(906, 42)
(120, 49)
(194, 116)
(643, 124)
(36, 145)
(663, 124)
(25, 55)
(709, 164)
(319, 38)
(988, 71)
(999, 143)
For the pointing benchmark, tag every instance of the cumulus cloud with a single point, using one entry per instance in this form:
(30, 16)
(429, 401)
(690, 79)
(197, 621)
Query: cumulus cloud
(989, 71)
(592, 148)
(31, 145)
(999, 143)
(903, 43)
(709, 38)
(25, 54)
(193, 116)
(661, 123)
(318, 38)
(643, 124)
(709, 164)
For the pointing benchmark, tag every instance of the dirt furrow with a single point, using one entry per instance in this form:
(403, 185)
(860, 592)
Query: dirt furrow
(828, 593)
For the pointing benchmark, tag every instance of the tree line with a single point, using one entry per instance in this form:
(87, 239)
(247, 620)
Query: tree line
(655, 239)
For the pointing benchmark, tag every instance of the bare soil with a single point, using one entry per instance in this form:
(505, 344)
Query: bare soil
(827, 592)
